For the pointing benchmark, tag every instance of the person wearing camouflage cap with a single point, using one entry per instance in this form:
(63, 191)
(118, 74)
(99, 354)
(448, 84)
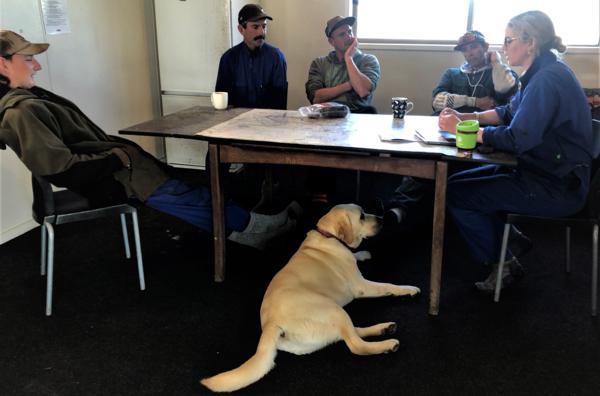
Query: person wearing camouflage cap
(56, 140)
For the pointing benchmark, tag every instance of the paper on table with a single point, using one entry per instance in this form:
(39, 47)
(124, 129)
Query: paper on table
(436, 137)
(398, 135)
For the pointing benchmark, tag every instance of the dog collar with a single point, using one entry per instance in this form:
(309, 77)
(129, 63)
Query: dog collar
(327, 234)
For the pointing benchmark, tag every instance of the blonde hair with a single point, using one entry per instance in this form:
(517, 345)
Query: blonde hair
(537, 26)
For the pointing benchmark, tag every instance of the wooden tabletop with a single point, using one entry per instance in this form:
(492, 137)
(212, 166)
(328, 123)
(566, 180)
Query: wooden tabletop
(288, 129)
(183, 124)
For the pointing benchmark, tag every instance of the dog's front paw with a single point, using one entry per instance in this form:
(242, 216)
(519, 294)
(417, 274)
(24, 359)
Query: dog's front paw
(413, 291)
(363, 255)
(393, 345)
(390, 329)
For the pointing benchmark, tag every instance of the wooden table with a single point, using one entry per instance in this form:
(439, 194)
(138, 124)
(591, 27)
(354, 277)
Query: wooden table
(284, 137)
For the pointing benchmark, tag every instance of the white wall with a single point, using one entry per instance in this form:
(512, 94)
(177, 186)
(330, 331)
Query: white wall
(106, 65)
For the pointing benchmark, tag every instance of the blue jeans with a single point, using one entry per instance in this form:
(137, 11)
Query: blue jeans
(477, 198)
(194, 206)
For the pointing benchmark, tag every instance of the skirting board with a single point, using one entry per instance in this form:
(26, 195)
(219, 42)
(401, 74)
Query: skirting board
(19, 229)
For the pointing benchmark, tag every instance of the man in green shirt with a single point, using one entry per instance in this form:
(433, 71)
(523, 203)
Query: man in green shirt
(346, 75)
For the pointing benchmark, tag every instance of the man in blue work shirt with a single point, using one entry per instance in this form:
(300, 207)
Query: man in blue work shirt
(253, 72)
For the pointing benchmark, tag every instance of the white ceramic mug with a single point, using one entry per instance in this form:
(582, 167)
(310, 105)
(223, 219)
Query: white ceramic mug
(219, 100)
(401, 106)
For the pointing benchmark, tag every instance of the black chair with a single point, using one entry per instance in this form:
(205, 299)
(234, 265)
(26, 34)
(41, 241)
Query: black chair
(51, 208)
(589, 215)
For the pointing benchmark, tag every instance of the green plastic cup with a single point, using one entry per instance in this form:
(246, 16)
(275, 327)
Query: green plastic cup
(466, 134)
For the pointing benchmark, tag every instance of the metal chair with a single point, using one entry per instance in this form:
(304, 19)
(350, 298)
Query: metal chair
(51, 208)
(589, 215)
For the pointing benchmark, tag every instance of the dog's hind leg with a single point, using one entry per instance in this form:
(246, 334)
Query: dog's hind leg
(352, 337)
(368, 288)
(376, 330)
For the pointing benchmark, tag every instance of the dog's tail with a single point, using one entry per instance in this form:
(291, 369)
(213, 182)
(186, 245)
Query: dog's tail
(252, 370)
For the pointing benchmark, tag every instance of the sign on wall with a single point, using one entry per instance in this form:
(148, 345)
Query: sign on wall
(56, 18)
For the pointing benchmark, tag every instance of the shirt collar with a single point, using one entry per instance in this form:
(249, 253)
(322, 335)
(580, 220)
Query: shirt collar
(541, 61)
(332, 56)
(466, 68)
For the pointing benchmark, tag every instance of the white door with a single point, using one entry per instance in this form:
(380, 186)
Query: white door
(191, 37)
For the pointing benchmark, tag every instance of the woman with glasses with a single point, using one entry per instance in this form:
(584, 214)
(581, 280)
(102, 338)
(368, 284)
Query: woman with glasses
(547, 125)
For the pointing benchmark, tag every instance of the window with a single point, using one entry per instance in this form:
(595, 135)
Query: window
(426, 21)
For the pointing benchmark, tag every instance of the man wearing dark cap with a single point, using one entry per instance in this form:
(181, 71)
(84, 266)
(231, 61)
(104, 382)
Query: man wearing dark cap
(481, 83)
(55, 140)
(346, 75)
(253, 72)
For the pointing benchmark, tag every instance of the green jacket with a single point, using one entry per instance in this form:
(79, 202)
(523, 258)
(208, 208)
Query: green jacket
(56, 140)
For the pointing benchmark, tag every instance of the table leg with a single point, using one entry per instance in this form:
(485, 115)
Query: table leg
(437, 240)
(218, 207)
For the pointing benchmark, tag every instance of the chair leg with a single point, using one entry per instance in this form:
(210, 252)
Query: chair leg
(50, 277)
(357, 197)
(501, 263)
(595, 270)
(568, 252)
(138, 250)
(43, 252)
(125, 235)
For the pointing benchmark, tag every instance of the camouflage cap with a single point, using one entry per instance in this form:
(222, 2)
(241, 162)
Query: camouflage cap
(12, 43)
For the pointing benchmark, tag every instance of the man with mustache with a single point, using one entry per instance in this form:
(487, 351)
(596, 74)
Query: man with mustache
(346, 75)
(481, 83)
(253, 73)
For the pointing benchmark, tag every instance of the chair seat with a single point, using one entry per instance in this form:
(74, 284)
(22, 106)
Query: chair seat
(67, 201)
(579, 219)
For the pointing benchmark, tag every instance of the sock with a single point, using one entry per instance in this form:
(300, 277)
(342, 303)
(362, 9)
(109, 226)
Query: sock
(265, 223)
(259, 239)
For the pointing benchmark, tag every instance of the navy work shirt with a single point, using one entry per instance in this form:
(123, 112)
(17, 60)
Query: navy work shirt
(255, 79)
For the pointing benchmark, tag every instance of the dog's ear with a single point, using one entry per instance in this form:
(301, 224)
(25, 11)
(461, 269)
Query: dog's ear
(328, 223)
(338, 223)
(345, 230)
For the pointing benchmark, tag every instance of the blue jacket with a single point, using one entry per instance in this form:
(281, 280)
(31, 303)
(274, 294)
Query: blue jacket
(254, 79)
(547, 124)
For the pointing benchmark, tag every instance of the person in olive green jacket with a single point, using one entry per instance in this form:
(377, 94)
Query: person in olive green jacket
(56, 140)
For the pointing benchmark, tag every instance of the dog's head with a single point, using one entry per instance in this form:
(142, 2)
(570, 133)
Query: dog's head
(350, 224)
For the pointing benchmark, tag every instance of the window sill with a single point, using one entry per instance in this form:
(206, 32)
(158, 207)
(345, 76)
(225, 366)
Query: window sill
(450, 48)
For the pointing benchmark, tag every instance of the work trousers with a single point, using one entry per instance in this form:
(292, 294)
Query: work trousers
(194, 206)
(477, 199)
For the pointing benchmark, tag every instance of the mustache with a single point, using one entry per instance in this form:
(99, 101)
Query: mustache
(260, 37)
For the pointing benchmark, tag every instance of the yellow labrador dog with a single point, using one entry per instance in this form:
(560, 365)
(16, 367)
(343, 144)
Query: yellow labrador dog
(302, 309)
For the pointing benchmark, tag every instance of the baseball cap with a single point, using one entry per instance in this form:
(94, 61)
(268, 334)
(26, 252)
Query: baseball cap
(336, 22)
(472, 36)
(252, 13)
(12, 43)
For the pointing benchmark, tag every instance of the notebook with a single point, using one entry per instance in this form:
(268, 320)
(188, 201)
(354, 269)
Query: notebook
(436, 137)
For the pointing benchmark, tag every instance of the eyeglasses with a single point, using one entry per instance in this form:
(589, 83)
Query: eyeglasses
(508, 40)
